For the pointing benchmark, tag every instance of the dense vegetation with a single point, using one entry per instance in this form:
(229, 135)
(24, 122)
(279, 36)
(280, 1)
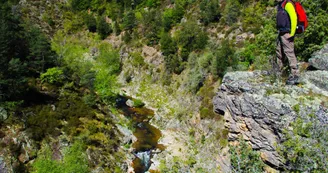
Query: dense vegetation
(63, 58)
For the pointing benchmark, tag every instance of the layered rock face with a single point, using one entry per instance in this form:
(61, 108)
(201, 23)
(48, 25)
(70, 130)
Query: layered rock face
(319, 60)
(257, 107)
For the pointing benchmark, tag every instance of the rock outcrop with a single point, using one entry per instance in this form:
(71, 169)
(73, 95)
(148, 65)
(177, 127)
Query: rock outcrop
(257, 108)
(319, 60)
(3, 114)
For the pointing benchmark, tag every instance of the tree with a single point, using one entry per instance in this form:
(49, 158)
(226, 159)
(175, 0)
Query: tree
(191, 37)
(129, 21)
(232, 11)
(91, 22)
(40, 55)
(209, 11)
(104, 29)
(168, 46)
(223, 58)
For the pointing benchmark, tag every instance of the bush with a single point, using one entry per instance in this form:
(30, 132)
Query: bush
(223, 58)
(172, 16)
(174, 64)
(74, 160)
(79, 5)
(231, 11)
(244, 159)
(305, 147)
(191, 37)
(104, 29)
(168, 45)
(129, 21)
(91, 22)
(209, 11)
(253, 17)
(53, 76)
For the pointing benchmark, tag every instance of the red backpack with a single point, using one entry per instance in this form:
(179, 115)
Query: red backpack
(302, 21)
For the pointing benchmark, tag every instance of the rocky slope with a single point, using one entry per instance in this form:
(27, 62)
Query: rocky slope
(258, 107)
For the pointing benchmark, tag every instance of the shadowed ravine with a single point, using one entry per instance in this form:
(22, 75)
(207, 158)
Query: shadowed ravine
(146, 134)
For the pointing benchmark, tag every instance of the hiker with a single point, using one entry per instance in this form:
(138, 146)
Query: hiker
(286, 25)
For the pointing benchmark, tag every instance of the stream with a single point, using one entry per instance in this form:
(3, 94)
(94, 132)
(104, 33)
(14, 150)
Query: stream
(146, 134)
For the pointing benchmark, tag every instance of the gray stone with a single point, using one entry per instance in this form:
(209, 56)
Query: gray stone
(3, 114)
(258, 111)
(3, 168)
(319, 60)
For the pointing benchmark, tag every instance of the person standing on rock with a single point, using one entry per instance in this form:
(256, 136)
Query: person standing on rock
(286, 25)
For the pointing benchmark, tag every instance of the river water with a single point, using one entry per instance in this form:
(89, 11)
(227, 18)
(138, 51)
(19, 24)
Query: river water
(146, 134)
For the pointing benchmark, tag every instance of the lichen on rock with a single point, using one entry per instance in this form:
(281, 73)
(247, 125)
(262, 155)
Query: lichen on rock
(258, 109)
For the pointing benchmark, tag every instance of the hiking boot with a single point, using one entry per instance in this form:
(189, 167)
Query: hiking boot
(292, 80)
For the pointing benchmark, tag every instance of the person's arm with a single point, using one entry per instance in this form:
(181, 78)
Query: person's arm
(293, 17)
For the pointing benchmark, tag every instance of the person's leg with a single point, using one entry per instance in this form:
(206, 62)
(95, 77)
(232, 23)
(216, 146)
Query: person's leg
(288, 49)
(279, 53)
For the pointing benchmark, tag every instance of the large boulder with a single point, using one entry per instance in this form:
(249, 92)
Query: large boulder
(3, 114)
(257, 108)
(319, 60)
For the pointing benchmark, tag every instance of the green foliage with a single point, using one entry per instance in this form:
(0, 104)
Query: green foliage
(74, 160)
(72, 22)
(231, 11)
(152, 25)
(305, 146)
(209, 11)
(172, 16)
(168, 45)
(103, 28)
(253, 17)
(223, 58)
(127, 37)
(116, 28)
(174, 64)
(137, 60)
(40, 55)
(138, 103)
(91, 22)
(129, 21)
(315, 35)
(191, 37)
(79, 5)
(108, 67)
(244, 159)
(248, 53)
(53, 76)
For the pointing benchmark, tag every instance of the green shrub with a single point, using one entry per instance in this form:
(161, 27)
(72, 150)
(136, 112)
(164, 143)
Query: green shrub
(138, 103)
(53, 76)
(79, 5)
(74, 160)
(224, 57)
(191, 37)
(209, 11)
(103, 28)
(253, 17)
(174, 64)
(152, 25)
(231, 11)
(172, 16)
(244, 159)
(129, 21)
(137, 60)
(304, 148)
(168, 45)
(91, 22)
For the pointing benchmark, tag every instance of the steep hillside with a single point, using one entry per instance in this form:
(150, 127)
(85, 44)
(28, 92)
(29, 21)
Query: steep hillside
(123, 86)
